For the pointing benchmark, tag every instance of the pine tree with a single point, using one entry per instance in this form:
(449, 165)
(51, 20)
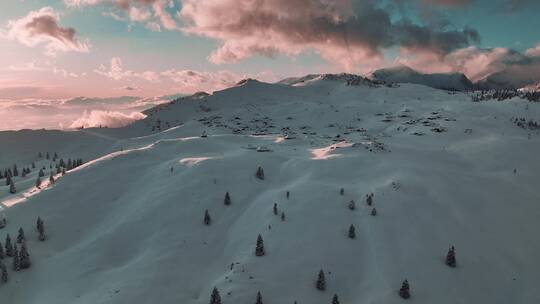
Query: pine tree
(215, 298)
(63, 171)
(20, 237)
(39, 224)
(283, 216)
(8, 180)
(41, 236)
(2, 255)
(404, 290)
(4, 277)
(38, 182)
(23, 172)
(335, 299)
(41, 173)
(260, 173)
(207, 218)
(288, 194)
(227, 199)
(342, 191)
(352, 205)
(373, 211)
(2, 222)
(15, 170)
(12, 188)
(451, 257)
(1, 175)
(51, 178)
(24, 257)
(369, 199)
(16, 259)
(275, 209)
(259, 298)
(33, 165)
(8, 246)
(352, 232)
(47, 156)
(259, 249)
(321, 281)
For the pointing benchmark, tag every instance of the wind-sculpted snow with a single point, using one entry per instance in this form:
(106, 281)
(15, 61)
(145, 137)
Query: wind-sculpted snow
(127, 226)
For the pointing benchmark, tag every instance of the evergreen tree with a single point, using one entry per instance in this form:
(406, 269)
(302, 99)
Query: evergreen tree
(321, 281)
(342, 191)
(16, 259)
(20, 237)
(12, 188)
(373, 211)
(47, 156)
(63, 171)
(15, 170)
(227, 200)
(2, 255)
(51, 178)
(288, 194)
(33, 165)
(23, 172)
(39, 224)
(352, 232)
(4, 277)
(369, 199)
(40, 155)
(8, 180)
(259, 298)
(41, 173)
(215, 298)
(69, 164)
(207, 218)
(2, 222)
(259, 249)
(8, 246)
(24, 257)
(352, 205)
(275, 209)
(404, 290)
(260, 173)
(41, 236)
(451, 257)
(1, 175)
(335, 299)
(38, 182)
(282, 216)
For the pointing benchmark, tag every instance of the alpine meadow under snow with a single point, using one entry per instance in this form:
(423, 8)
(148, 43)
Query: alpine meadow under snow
(325, 189)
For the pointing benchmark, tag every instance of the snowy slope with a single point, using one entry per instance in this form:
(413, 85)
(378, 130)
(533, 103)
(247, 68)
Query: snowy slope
(404, 74)
(125, 229)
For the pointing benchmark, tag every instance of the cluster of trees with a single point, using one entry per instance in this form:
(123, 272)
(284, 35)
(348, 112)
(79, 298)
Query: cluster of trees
(215, 298)
(505, 94)
(526, 124)
(320, 282)
(20, 258)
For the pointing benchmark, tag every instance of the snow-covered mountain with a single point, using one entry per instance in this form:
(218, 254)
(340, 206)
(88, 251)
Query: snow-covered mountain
(127, 226)
(404, 74)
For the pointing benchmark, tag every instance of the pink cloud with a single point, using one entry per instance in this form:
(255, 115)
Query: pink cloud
(111, 119)
(497, 67)
(41, 27)
(137, 11)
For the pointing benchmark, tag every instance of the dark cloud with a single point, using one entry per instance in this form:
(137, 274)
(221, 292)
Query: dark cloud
(41, 27)
(342, 30)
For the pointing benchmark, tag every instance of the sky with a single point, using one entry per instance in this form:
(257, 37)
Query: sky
(105, 48)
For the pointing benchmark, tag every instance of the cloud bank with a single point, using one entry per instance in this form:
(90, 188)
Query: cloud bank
(110, 119)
